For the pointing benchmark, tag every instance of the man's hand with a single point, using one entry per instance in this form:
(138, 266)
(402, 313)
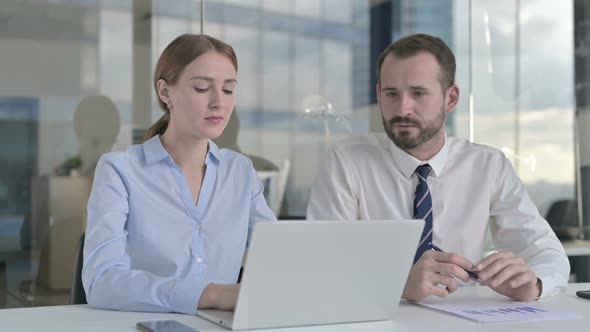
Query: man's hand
(433, 269)
(509, 275)
(217, 296)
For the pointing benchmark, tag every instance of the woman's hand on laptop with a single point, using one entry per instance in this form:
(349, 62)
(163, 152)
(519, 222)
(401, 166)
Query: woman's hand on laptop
(217, 296)
(433, 269)
(509, 275)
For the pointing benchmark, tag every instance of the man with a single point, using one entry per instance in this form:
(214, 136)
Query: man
(459, 188)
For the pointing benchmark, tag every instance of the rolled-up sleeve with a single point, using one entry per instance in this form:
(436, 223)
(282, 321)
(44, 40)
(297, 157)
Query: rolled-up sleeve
(520, 229)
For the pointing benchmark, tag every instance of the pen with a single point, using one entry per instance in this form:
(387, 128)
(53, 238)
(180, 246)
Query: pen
(471, 274)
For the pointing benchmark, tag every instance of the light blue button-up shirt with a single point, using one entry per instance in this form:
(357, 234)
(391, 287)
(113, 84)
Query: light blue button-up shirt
(149, 247)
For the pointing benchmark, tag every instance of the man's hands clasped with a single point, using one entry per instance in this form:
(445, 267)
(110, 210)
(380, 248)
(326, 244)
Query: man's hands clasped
(436, 273)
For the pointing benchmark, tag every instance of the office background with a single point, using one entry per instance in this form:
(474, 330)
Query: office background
(307, 78)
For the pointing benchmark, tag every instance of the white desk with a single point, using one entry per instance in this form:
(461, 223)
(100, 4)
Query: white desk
(410, 317)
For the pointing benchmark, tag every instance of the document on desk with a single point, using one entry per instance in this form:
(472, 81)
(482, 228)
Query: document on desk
(497, 310)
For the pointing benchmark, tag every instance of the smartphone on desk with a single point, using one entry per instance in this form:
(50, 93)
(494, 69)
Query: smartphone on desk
(164, 326)
(584, 293)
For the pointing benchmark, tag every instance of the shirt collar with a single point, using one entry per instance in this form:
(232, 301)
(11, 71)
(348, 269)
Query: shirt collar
(154, 151)
(214, 152)
(407, 163)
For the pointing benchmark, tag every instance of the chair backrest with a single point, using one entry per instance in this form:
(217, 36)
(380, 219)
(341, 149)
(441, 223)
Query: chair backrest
(282, 184)
(275, 183)
(563, 218)
(77, 293)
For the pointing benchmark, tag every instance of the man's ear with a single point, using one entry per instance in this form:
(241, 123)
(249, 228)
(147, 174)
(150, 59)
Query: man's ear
(163, 93)
(378, 94)
(452, 98)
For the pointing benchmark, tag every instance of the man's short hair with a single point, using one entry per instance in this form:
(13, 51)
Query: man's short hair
(414, 44)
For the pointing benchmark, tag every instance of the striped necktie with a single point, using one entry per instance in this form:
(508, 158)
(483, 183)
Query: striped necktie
(423, 209)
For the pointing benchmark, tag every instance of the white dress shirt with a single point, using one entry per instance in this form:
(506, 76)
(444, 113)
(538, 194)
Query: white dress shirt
(473, 188)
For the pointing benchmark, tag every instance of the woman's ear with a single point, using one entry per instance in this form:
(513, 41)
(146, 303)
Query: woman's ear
(163, 92)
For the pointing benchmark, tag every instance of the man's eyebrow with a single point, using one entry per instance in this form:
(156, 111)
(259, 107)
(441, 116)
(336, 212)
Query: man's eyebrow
(388, 88)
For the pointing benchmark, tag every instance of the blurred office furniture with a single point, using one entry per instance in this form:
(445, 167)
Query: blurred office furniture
(262, 164)
(563, 218)
(13, 266)
(58, 217)
(578, 252)
(229, 140)
(77, 293)
(576, 248)
(3, 284)
(275, 184)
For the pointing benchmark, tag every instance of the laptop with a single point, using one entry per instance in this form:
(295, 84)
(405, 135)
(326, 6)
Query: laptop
(322, 272)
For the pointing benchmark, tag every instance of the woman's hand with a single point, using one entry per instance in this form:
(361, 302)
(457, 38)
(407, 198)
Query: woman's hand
(216, 296)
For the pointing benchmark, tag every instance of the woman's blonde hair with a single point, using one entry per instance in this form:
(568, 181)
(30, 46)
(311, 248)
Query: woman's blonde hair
(176, 56)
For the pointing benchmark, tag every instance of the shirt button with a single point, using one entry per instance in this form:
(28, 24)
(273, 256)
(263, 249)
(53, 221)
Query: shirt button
(199, 260)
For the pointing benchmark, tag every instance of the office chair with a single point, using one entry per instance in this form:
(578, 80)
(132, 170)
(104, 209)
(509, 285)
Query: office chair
(275, 183)
(282, 184)
(77, 293)
(563, 218)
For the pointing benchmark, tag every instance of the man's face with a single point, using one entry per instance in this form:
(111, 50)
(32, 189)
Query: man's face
(412, 103)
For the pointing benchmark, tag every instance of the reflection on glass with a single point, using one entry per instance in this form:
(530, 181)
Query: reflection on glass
(289, 51)
(74, 50)
(61, 63)
(516, 107)
(243, 3)
(281, 6)
(244, 41)
(320, 109)
(308, 8)
(307, 62)
(337, 10)
(547, 106)
(115, 58)
(212, 29)
(276, 73)
(166, 19)
(337, 60)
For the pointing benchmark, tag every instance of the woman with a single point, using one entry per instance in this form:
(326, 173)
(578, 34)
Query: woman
(169, 220)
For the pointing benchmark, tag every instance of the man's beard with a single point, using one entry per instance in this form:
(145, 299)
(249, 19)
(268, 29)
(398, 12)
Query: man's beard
(426, 130)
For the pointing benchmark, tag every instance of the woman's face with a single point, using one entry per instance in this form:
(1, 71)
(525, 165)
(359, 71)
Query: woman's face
(204, 97)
